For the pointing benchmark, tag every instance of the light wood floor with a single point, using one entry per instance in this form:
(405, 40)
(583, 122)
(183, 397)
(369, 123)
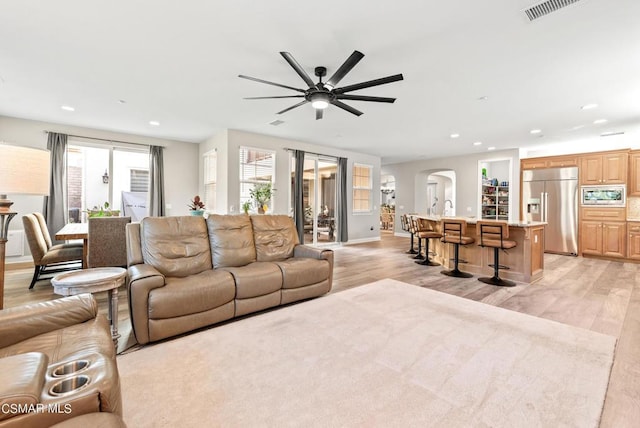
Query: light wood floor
(598, 295)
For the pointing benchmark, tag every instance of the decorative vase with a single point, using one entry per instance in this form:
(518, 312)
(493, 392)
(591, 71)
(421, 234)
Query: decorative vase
(197, 212)
(261, 210)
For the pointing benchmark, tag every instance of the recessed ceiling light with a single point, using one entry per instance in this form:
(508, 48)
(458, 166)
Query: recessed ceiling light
(599, 121)
(454, 135)
(589, 106)
(575, 128)
(68, 108)
(154, 123)
(535, 131)
(483, 98)
(477, 143)
(491, 148)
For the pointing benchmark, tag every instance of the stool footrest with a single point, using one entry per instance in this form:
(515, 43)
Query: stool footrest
(500, 266)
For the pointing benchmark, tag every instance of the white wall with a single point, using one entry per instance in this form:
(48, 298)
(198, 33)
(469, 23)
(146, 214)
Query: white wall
(359, 225)
(180, 159)
(411, 174)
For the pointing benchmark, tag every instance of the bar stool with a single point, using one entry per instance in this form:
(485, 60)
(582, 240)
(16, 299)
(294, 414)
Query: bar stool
(453, 231)
(424, 231)
(493, 234)
(406, 226)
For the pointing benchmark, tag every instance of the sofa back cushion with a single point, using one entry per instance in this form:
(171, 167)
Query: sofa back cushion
(176, 246)
(231, 239)
(275, 237)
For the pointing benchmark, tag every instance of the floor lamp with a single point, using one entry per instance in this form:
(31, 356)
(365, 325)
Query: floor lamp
(23, 171)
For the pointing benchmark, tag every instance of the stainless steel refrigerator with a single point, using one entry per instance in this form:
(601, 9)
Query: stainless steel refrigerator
(551, 195)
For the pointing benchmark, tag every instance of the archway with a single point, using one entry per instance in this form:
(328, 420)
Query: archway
(435, 192)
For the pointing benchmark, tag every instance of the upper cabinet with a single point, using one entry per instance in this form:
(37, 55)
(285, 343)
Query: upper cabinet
(633, 186)
(549, 162)
(604, 168)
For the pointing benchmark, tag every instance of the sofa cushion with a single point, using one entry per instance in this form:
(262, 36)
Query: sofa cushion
(300, 272)
(176, 246)
(256, 279)
(275, 237)
(231, 238)
(196, 293)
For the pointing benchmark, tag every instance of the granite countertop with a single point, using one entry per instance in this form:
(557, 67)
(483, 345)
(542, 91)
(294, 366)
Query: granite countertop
(473, 220)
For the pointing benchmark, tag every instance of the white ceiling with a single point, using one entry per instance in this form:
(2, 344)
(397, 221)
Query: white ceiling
(178, 62)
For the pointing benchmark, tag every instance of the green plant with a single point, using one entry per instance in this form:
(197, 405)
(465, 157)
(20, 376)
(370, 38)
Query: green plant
(196, 204)
(246, 206)
(261, 195)
(102, 211)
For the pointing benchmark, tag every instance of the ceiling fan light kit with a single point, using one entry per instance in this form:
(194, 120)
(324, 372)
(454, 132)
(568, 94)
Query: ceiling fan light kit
(321, 94)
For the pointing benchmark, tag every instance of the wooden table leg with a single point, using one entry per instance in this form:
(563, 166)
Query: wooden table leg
(113, 315)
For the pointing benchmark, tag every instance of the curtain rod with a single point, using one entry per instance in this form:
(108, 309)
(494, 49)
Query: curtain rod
(102, 139)
(312, 153)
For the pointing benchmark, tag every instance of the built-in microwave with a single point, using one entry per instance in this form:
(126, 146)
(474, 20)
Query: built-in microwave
(611, 196)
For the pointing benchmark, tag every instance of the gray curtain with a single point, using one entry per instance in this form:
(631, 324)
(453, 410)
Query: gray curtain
(156, 182)
(54, 208)
(341, 199)
(298, 194)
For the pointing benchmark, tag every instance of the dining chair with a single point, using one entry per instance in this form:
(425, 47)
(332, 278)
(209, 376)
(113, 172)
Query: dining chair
(48, 259)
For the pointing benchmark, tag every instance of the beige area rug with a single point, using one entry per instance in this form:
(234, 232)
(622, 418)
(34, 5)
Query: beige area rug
(383, 354)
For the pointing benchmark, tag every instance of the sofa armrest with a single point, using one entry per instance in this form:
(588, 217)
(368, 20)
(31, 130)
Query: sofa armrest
(142, 279)
(23, 322)
(307, 251)
(312, 252)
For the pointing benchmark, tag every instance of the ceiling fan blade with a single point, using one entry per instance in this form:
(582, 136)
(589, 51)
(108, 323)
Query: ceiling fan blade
(267, 98)
(293, 63)
(292, 107)
(364, 98)
(319, 113)
(344, 69)
(270, 83)
(343, 106)
(368, 84)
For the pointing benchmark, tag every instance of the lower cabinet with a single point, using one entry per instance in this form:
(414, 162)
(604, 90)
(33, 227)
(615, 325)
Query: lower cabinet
(633, 241)
(608, 239)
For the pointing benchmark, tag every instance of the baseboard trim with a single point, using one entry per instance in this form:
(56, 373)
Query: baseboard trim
(19, 265)
(361, 240)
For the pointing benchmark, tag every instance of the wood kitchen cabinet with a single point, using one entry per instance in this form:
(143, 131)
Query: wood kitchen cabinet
(603, 238)
(633, 240)
(633, 186)
(604, 168)
(549, 162)
(603, 232)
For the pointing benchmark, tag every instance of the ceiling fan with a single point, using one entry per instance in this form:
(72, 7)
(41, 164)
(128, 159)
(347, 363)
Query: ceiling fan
(321, 94)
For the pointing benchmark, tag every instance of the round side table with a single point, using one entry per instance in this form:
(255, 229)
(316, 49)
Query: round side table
(93, 281)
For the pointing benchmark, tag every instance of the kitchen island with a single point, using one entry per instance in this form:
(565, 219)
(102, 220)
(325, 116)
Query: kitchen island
(525, 261)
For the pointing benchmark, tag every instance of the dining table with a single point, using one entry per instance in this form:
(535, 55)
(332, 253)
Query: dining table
(76, 231)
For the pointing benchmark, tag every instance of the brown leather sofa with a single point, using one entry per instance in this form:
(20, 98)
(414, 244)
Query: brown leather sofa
(188, 272)
(48, 348)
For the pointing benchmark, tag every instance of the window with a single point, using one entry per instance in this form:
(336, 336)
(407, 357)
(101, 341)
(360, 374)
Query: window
(256, 166)
(362, 188)
(97, 174)
(210, 174)
(139, 179)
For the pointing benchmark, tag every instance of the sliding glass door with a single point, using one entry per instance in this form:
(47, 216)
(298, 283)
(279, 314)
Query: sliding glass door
(319, 198)
(99, 175)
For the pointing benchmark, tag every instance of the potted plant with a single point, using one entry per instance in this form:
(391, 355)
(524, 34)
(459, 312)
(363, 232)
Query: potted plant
(102, 211)
(246, 206)
(261, 195)
(196, 206)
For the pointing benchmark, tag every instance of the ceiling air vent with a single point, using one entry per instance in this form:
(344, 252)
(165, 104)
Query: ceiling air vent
(276, 122)
(546, 7)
